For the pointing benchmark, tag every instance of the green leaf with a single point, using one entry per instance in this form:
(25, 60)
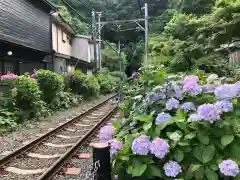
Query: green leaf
(124, 157)
(203, 138)
(199, 174)
(145, 118)
(138, 169)
(147, 126)
(214, 167)
(197, 152)
(175, 136)
(129, 169)
(208, 153)
(210, 174)
(154, 170)
(182, 125)
(183, 143)
(194, 167)
(190, 136)
(227, 139)
(178, 155)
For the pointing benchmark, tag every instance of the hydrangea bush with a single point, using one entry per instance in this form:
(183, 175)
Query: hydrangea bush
(178, 128)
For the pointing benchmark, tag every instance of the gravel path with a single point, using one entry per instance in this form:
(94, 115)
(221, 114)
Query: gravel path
(29, 130)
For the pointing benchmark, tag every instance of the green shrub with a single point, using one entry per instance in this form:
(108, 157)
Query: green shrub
(118, 74)
(77, 84)
(198, 138)
(93, 88)
(26, 96)
(50, 83)
(107, 83)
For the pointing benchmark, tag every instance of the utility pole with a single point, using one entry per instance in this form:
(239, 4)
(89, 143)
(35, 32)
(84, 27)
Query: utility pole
(146, 34)
(94, 39)
(99, 39)
(118, 53)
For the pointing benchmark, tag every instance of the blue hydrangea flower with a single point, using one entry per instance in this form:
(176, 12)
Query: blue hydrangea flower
(172, 104)
(208, 88)
(162, 117)
(226, 91)
(115, 146)
(192, 88)
(195, 117)
(141, 145)
(178, 93)
(159, 148)
(188, 106)
(224, 106)
(229, 168)
(153, 97)
(208, 112)
(172, 169)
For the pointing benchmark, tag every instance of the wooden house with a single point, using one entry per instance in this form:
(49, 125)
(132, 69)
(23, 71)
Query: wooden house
(25, 35)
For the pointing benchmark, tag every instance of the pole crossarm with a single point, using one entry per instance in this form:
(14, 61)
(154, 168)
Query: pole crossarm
(140, 26)
(121, 21)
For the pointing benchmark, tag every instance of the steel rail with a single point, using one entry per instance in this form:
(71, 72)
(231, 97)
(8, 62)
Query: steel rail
(52, 170)
(40, 139)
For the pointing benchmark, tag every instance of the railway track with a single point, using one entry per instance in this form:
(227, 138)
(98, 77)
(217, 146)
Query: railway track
(44, 156)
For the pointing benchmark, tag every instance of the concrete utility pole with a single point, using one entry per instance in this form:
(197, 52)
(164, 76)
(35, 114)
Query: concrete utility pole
(146, 34)
(118, 53)
(94, 38)
(99, 38)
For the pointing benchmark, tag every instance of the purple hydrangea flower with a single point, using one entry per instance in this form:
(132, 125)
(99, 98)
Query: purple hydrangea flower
(188, 106)
(208, 88)
(172, 169)
(195, 117)
(224, 106)
(191, 79)
(229, 168)
(141, 145)
(162, 117)
(226, 91)
(159, 148)
(172, 104)
(115, 146)
(192, 88)
(237, 85)
(208, 112)
(106, 133)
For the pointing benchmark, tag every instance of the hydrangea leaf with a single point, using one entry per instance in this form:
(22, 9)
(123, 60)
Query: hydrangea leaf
(178, 155)
(210, 174)
(154, 171)
(208, 153)
(199, 173)
(227, 139)
(190, 135)
(203, 138)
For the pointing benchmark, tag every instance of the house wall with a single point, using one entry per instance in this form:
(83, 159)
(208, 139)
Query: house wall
(81, 49)
(60, 65)
(59, 45)
(26, 23)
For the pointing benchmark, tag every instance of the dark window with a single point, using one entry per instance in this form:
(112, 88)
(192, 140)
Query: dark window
(8, 67)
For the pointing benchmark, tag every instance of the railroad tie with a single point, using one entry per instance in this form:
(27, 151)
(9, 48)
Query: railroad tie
(24, 171)
(58, 145)
(41, 156)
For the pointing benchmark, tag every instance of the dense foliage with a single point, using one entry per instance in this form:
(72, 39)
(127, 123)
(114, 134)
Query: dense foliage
(32, 97)
(177, 126)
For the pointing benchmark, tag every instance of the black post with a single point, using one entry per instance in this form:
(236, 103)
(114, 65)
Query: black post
(101, 156)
